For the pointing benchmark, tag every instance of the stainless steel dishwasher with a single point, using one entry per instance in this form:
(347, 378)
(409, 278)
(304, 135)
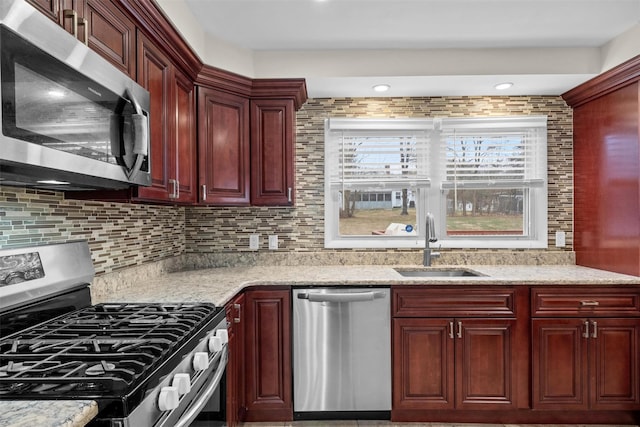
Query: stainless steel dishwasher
(341, 351)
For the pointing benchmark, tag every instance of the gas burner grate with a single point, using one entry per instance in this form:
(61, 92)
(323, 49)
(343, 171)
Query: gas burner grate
(97, 350)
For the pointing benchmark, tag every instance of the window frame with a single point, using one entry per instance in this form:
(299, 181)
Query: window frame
(431, 195)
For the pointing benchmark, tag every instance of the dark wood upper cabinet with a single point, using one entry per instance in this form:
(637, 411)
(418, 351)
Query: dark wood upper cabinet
(50, 8)
(111, 34)
(223, 147)
(172, 127)
(154, 74)
(69, 14)
(272, 152)
(184, 133)
(244, 143)
(606, 158)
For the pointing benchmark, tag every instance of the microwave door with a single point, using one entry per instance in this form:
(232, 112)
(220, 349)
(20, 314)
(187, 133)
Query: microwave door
(129, 136)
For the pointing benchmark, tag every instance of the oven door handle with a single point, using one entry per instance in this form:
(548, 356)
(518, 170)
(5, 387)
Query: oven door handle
(196, 407)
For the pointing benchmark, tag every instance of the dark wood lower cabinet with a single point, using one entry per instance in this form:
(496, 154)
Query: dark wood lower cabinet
(453, 363)
(484, 367)
(585, 364)
(259, 378)
(268, 393)
(235, 366)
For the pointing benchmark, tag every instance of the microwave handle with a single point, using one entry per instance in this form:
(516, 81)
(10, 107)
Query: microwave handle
(140, 134)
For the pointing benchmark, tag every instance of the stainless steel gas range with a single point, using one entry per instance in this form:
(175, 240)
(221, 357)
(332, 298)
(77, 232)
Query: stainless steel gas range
(144, 364)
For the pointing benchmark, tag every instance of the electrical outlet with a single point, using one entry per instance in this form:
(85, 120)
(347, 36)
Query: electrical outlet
(273, 242)
(560, 239)
(254, 241)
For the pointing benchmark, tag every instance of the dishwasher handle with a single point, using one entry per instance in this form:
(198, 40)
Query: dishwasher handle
(341, 296)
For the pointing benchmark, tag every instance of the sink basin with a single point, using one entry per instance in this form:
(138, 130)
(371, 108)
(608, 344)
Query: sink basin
(434, 272)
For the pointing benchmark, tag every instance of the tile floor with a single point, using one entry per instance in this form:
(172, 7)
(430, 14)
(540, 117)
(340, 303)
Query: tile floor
(370, 423)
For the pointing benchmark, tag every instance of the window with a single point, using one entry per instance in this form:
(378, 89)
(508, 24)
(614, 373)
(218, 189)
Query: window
(484, 179)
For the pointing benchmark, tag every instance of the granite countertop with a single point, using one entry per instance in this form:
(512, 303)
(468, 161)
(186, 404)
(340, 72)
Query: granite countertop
(219, 285)
(47, 413)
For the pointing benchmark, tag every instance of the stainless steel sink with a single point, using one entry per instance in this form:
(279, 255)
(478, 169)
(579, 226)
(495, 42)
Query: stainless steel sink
(435, 272)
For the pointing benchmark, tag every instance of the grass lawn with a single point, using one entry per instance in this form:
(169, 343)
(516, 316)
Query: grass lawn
(367, 220)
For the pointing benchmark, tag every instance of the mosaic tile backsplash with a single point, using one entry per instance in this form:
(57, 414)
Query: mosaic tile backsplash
(301, 229)
(125, 235)
(119, 235)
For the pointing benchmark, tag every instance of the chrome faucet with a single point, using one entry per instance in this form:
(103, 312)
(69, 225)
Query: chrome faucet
(429, 237)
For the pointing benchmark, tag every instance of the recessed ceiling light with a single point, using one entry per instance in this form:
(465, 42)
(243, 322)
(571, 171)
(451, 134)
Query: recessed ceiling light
(381, 88)
(503, 86)
(53, 182)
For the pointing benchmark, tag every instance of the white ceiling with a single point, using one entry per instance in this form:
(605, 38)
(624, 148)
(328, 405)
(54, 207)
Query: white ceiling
(421, 47)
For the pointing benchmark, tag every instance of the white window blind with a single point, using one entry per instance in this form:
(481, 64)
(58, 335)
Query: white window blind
(477, 157)
(367, 160)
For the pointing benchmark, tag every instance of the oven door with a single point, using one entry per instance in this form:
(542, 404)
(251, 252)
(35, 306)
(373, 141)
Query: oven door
(56, 118)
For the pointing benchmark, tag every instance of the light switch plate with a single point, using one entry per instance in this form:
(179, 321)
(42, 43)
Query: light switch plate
(254, 241)
(273, 242)
(560, 239)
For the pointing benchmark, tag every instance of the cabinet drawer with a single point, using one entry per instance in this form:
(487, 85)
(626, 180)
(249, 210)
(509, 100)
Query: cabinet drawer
(585, 302)
(458, 302)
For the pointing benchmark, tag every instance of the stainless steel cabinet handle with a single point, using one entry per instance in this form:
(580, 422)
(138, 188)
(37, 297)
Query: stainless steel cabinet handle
(237, 307)
(586, 329)
(289, 192)
(204, 192)
(459, 329)
(174, 185)
(451, 330)
(177, 188)
(589, 303)
(70, 13)
(85, 25)
(594, 333)
(341, 297)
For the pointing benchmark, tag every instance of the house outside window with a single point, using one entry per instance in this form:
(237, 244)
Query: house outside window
(483, 179)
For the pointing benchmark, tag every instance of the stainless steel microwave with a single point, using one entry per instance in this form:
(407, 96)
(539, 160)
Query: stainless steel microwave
(70, 120)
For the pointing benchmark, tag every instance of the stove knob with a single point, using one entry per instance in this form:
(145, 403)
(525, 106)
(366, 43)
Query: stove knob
(200, 361)
(182, 382)
(223, 334)
(215, 344)
(168, 398)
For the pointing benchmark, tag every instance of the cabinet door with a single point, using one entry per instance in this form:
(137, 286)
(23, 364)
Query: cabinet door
(485, 370)
(111, 34)
(423, 364)
(223, 147)
(615, 364)
(272, 152)
(268, 356)
(235, 365)
(154, 74)
(559, 349)
(184, 133)
(50, 8)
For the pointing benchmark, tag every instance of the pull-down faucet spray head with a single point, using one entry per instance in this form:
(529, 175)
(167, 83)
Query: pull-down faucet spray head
(429, 237)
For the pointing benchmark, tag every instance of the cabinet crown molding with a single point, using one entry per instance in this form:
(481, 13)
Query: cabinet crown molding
(626, 73)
